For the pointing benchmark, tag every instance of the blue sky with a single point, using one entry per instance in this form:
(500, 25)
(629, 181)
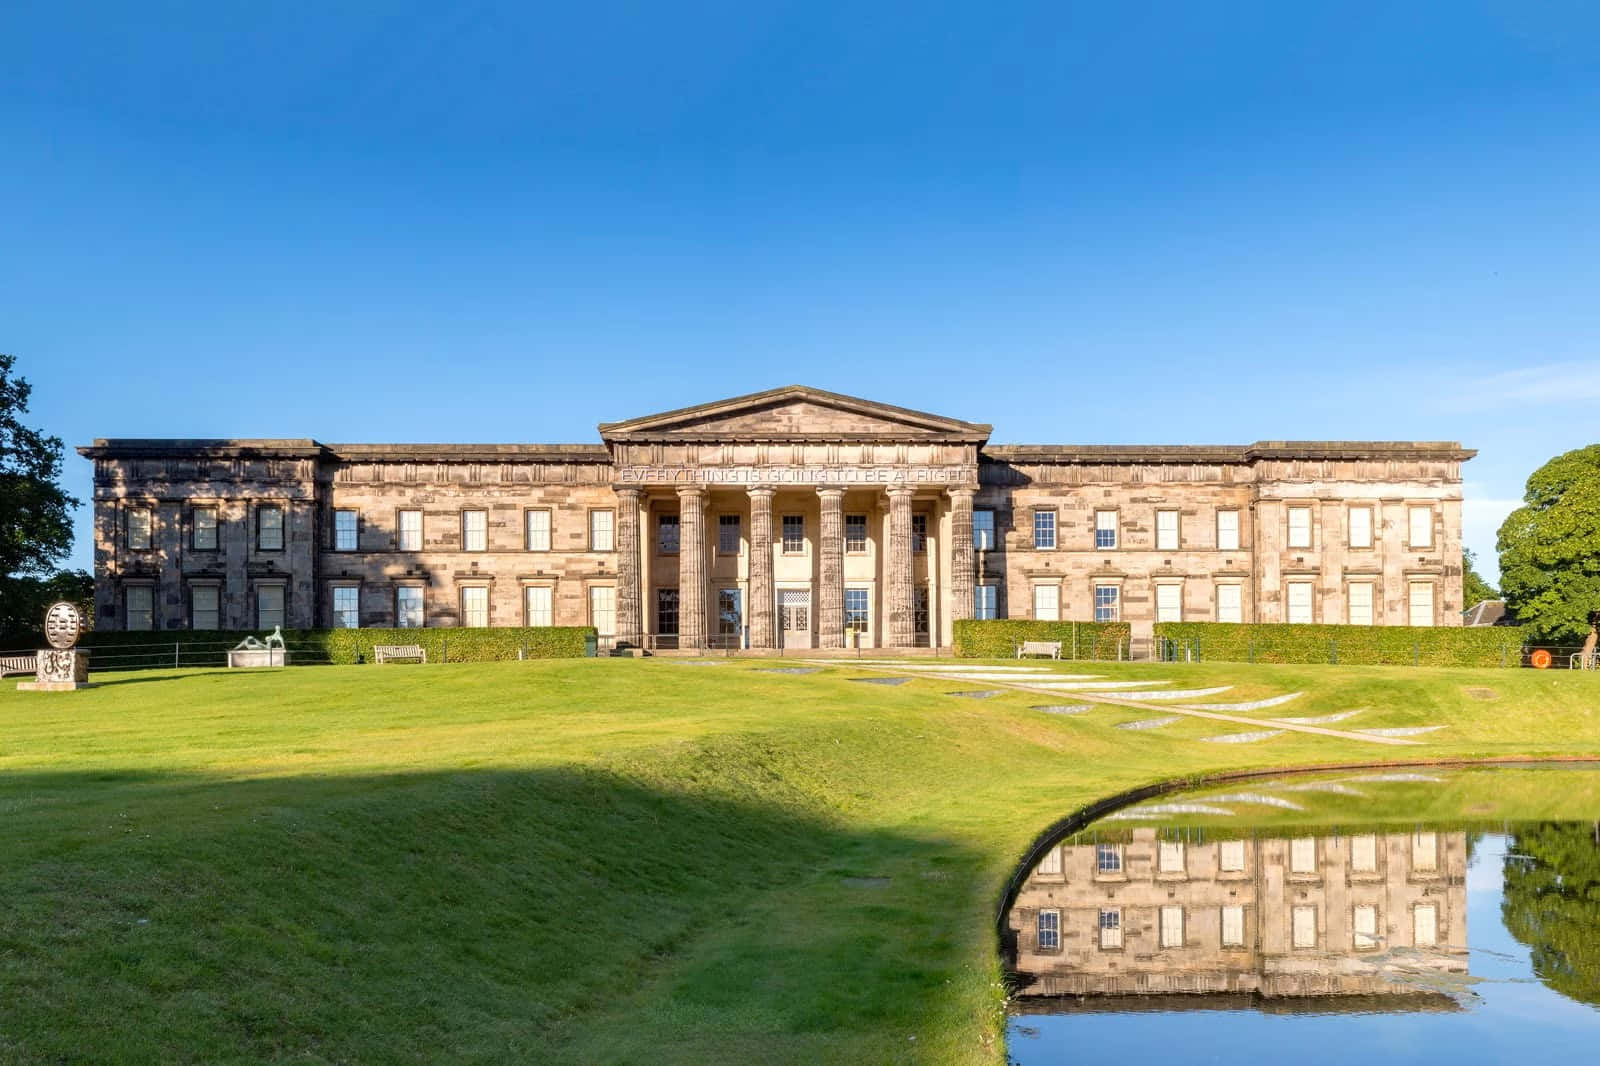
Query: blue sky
(1158, 223)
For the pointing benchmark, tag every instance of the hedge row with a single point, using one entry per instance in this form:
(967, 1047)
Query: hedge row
(1353, 645)
(188, 647)
(998, 638)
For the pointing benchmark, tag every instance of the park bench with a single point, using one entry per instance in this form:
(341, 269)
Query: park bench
(382, 653)
(18, 664)
(1051, 648)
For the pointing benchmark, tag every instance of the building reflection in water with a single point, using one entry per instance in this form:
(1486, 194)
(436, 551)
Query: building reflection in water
(1146, 912)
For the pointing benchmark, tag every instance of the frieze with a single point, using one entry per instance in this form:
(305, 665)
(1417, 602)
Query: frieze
(796, 475)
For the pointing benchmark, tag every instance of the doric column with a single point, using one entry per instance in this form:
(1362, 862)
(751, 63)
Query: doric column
(691, 567)
(630, 596)
(961, 553)
(759, 609)
(830, 603)
(901, 631)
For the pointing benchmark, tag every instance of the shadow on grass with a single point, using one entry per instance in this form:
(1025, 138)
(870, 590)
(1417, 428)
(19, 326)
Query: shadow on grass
(475, 916)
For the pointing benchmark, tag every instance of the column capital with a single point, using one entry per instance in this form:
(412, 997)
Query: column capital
(760, 491)
(958, 491)
(628, 492)
(827, 492)
(897, 492)
(690, 491)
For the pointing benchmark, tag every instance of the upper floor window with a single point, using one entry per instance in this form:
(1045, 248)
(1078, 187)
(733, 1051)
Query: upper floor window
(475, 607)
(1044, 528)
(1421, 526)
(855, 532)
(728, 534)
(269, 529)
(919, 533)
(1233, 926)
(269, 606)
(983, 602)
(667, 530)
(601, 526)
(1110, 929)
(1230, 856)
(1049, 929)
(344, 531)
(203, 529)
(538, 529)
(409, 531)
(1107, 859)
(1171, 931)
(1167, 531)
(346, 607)
(1299, 527)
(794, 533)
(475, 531)
(139, 523)
(1105, 529)
(205, 607)
(983, 531)
(139, 606)
(1228, 531)
(1360, 527)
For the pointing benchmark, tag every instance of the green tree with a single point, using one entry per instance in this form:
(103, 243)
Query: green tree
(35, 513)
(23, 601)
(1474, 588)
(1552, 904)
(1550, 547)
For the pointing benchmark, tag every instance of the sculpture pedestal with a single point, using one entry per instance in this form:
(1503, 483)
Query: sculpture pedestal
(60, 670)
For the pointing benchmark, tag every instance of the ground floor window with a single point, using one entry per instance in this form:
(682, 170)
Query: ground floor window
(1046, 603)
(408, 607)
(346, 607)
(1425, 926)
(1049, 930)
(1304, 927)
(1364, 925)
(1233, 926)
(1299, 595)
(1230, 856)
(855, 609)
(603, 610)
(205, 607)
(1359, 603)
(1169, 602)
(984, 602)
(1172, 927)
(1230, 603)
(1106, 606)
(536, 602)
(139, 605)
(269, 606)
(1421, 602)
(730, 613)
(475, 607)
(1110, 930)
(667, 612)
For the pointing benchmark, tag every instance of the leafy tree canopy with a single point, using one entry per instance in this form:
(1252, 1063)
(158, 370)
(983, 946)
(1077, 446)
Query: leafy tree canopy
(23, 601)
(1552, 904)
(1474, 588)
(1550, 548)
(35, 514)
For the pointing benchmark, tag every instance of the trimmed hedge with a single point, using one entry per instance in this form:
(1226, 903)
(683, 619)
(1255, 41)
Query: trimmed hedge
(1352, 645)
(187, 647)
(997, 638)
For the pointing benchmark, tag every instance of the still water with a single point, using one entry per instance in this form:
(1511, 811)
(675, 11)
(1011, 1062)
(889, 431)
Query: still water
(1445, 916)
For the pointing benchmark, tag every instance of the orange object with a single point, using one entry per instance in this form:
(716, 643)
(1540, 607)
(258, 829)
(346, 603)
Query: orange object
(1540, 659)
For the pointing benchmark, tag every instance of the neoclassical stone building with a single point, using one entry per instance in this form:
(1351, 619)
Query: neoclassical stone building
(793, 518)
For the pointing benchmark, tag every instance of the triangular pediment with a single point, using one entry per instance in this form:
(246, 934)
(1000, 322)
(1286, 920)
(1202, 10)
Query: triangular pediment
(795, 412)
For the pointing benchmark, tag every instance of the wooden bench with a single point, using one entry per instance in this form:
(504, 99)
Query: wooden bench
(1051, 648)
(382, 653)
(19, 664)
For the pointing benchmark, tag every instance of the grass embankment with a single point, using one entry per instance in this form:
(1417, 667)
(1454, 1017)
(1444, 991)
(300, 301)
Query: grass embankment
(587, 861)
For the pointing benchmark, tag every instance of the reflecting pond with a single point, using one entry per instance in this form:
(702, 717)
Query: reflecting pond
(1409, 916)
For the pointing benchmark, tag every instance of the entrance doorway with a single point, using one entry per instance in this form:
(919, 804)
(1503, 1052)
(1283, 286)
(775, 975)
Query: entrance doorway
(920, 617)
(794, 617)
(730, 618)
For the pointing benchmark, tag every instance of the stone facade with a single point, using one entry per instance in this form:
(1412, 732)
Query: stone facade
(794, 518)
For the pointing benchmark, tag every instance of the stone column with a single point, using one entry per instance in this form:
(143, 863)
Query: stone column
(830, 601)
(691, 567)
(759, 609)
(630, 596)
(961, 574)
(901, 630)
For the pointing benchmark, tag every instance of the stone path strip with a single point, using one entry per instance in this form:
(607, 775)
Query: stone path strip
(1136, 813)
(1323, 786)
(1322, 718)
(881, 680)
(1174, 694)
(1405, 776)
(1148, 723)
(1062, 708)
(980, 694)
(1090, 685)
(790, 670)
(1400, 731)
(1249, 705)
(1255, 797)
(1244, 738)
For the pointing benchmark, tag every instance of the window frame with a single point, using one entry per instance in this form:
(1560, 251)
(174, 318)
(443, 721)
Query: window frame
(855, 543)
(594, 614)
(1106, 537)
(473, 591)
(602, 534)
(147, 590)
(726, 522)
(468, 514)
(862, 613)
(215, 590)
(1054, 607)
(799, 522)
(1237, 589)
(1290, 538)
(983, 532)
(919, 533)
(400, 531)
(1050, 917)
(262, 510)
(281, 588)
(1160, 586)
(669, 543)
(1310, 604)
(528, 529)
(1237, 939)
(1107, 608)
(1413, 510)
(334, 613)
(1233, 512)
(1044, 529)
(355, 529)
(528, 613)
(979, 608)
(668, 616)
(400, 591)
(1176, 538)
(1176, 937)
(1350, 527)
(1412, 586)
(194, 528)
(149, 538)
(1110, 933)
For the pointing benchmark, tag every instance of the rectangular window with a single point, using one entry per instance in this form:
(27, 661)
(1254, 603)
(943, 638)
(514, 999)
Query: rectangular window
(269, 606)
(1364, 927)
(1299, 593)
(346, 607)
(1105, 529)
(1044, 529)
(1421, 603)
(1169, 602)
(603, 609)
(982, 531)
(1233, 926)
(474, 531)
(728, 534)
(139, 603)
(205, 607)
(1421, 526)
(1303, 855)
(409, 530)
(919, 534)
(1360, 527)
(730, 614)
(537, 606)
(1050, 865)
(139, 523)
(1230, 603)
(1167, 531)
(1106, 608)
(408, 607)
(1305, 927)
(1230, 856)
(1364, 854)
(667, 612)
(855, 609)
(855, 532)
(1046, 603)
(269, 529)
(475, 607)
(1049, 928)
(601, 525)
(537, 529)
(1169, 857)
(1424, 926)
(204, 529)
(1172, 927)
(1299, 527)
(344, 530)
(1107, 859)
(794, 534)
(984, 602)
(667, 530)
(1358, 596)
(1228, 531)
(1424, 852)
(1110, 930)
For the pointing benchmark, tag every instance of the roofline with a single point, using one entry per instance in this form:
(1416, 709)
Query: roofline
(1227, 453)
(237, 448)
(212, 447)
(637, 428)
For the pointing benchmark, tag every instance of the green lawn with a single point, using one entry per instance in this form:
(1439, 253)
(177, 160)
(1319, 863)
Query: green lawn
(590, 861)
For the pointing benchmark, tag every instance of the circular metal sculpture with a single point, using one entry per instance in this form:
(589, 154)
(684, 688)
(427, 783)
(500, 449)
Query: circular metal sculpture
(62, 625)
